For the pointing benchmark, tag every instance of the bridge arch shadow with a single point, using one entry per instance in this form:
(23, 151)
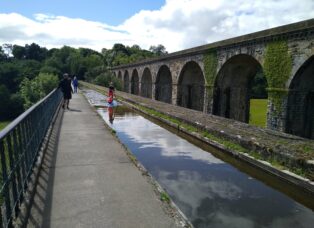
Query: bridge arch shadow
(233, 87)
(126, 81)
(146, 84)
(191, 87)
(300, 109)
(163, 87)
(135, 82)
(120, 76)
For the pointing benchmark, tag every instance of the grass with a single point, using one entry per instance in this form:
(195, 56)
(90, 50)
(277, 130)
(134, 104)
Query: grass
(3, 124)
(164, 197)
(258, 111)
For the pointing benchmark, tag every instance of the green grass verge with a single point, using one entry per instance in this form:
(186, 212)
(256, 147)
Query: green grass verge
(258, 111)
(3, 124)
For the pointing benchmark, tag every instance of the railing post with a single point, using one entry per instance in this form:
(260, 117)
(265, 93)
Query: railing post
(5, 186)
(17, 150)
(12, 171)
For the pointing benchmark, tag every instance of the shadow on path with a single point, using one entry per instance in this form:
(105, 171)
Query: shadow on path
(39, 202)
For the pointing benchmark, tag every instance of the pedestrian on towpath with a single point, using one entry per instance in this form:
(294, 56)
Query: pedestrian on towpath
(75, 84)
(66, 88)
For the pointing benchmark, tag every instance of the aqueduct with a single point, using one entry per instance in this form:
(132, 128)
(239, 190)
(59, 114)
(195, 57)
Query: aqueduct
(217, 78)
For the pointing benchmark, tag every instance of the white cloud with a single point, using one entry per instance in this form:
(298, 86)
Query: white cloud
(179, 24)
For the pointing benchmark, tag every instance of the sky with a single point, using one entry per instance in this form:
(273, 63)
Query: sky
(176, 24)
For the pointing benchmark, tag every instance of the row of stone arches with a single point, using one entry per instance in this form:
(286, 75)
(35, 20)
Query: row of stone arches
(232, 90)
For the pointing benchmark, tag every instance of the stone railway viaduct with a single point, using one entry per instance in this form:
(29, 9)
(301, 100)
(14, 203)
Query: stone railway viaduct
(216, 78)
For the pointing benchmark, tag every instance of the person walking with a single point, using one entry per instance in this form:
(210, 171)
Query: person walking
(111, 93)
(75, 84)
(66, 88)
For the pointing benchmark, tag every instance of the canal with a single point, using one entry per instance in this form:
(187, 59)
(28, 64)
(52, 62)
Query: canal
(210, 188)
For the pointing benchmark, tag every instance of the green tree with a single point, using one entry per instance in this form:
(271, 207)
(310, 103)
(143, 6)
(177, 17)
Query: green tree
(10, 76)
(4, 103)
(35, 52)
(19, 52)
(2, 54)
(158, 50)
(33, 90)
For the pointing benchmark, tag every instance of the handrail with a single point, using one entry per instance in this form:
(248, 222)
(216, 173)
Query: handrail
(20, 143)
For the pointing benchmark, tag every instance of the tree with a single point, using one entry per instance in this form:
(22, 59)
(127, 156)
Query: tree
(120, 48)
(7, 49)
(28, 68)
(4, 102)
(2, 54)
(34, 51)
(158, 50)
(19, 52)
(10, 76)
(33, 90)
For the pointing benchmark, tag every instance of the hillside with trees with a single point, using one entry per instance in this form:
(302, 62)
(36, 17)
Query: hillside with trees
(30, 72)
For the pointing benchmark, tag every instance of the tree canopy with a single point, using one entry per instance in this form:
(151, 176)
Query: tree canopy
(29, 72)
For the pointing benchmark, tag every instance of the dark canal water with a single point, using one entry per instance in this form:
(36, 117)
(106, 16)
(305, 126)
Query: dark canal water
(209, 191)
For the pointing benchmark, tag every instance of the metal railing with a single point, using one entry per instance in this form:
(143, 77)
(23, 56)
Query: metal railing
(20, 143)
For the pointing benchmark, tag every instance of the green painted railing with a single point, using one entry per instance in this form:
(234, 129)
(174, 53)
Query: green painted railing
(20, 143)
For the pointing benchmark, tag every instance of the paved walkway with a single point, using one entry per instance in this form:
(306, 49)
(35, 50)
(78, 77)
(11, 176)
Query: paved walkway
(87, 180)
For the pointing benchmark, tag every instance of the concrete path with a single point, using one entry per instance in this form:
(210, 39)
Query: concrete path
(87, 180)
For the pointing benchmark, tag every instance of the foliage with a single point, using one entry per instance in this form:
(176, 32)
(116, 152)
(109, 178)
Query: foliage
(4, 102)
(210, 67)
(258, 86)
(28, 73)
(2, 54)
(120, 54)
(33, 90)
(33, 51)
(159, 50)
(10, 76)
(105, 78)
(3, 124)
(278, 64)
(277, 68)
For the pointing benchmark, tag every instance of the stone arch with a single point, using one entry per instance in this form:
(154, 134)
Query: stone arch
(300, 109)
(126, 81)
(146, 83)
(191, 87)
(163, 86)
(232, 87)
(120, 75)
(135, 82)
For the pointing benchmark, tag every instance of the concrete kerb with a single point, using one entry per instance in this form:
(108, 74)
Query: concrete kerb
(25, 206)
(285, 175)
(170, 208)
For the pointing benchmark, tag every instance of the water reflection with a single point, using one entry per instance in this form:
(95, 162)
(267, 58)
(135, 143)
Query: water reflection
(209, 191)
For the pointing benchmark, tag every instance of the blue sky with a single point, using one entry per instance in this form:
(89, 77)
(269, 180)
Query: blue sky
(111, 12)
(177, 24)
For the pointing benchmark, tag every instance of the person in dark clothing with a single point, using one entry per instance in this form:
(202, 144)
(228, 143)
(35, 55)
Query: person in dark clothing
(66, 88)
(75, 84)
